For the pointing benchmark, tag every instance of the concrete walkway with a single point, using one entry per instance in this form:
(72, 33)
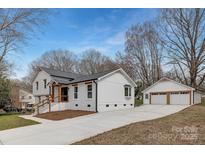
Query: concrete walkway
(72, 130)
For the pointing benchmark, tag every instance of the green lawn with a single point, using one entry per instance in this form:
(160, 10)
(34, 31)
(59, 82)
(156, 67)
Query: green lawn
(13, 121)
(203, 101)
(138, 102)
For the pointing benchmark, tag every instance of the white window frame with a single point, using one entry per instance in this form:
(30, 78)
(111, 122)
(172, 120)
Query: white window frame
(90, 91)
(37, 85)
(146, 96)
(75, 92)
(129, 91)
(45, 83)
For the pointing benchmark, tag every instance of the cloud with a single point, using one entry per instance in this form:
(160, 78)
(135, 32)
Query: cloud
(117, 39)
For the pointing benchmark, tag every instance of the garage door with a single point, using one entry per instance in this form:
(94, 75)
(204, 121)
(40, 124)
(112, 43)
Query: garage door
(180, 98)
(159, 98)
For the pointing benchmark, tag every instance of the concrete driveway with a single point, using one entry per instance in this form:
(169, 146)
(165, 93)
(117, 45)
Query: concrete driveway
(71, 130)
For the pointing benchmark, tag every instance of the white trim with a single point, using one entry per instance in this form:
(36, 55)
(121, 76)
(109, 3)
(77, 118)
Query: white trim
(123, 72)
(168, 80)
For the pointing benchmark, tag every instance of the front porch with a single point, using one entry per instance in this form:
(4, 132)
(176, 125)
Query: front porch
(58, 93)
(78, 96)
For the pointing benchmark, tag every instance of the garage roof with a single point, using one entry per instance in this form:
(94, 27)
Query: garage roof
(167, 79)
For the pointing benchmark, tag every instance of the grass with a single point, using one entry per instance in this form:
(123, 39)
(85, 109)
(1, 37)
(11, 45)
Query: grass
(184, 127)
(60, 115)
(13, 121)
(138, 102)
(203, 102)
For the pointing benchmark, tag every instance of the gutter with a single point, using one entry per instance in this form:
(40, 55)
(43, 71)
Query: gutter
(96, 96)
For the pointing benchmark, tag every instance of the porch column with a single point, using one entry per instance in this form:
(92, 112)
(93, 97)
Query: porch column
(52, 93)
(59, 93)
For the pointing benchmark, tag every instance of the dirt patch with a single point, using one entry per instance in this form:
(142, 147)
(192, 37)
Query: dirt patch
(60, 115)
(185, 127)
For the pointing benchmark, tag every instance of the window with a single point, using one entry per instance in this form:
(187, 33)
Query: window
(115, 105)
(89, 105)
(30, 97)
(36, 85)
(75, 92)
(90, 91)
(124, 104)
(45, 83)
(146, 96)
(128, 91)
(107, 105)
(22, 97)
(76, 105)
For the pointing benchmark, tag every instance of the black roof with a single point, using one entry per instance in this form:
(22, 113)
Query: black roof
(70, 78)
(90, 77)
(62, 74)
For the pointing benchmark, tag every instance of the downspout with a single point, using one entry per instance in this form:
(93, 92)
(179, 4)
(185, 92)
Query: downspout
(96, 96)
(193, 97)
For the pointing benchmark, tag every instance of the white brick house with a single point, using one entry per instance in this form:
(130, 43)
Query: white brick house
(106, 91)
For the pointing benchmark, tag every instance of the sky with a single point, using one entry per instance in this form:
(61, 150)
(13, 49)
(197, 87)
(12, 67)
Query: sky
(78, 30)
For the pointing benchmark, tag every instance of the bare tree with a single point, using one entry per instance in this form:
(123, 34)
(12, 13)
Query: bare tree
(63, 60)
(93, 61)
(143, 52)
(16, 27)
(123, 61)
(184, 34)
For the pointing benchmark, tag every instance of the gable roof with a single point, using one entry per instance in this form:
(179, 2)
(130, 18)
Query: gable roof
(62, 74)
(82, 78)
(61, 77)
(123, 72)
(167, 79)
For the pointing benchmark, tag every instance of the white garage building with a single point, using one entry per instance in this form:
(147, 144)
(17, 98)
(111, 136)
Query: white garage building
(167, 91)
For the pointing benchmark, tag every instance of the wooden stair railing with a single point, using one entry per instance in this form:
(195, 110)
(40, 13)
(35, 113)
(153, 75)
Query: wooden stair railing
(42, 103)
(48, 101)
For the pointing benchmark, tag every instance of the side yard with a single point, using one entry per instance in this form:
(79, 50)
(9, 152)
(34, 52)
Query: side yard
(13, 121)
(184, 127)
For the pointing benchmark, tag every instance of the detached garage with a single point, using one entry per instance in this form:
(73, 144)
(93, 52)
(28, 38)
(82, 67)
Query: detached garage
(170, 92)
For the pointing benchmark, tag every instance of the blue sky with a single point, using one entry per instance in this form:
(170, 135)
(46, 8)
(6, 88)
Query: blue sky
(81, 29)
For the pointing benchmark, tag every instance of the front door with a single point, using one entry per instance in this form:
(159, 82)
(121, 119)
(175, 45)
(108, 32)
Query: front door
(64, 94)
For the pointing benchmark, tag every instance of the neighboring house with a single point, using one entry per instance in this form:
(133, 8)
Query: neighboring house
(105, 91)
(21, 98)
(167, 91)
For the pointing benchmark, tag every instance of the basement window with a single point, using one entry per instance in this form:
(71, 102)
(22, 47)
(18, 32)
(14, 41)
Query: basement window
(89, 105)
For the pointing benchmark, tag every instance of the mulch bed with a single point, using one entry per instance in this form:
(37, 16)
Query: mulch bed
(60, 115)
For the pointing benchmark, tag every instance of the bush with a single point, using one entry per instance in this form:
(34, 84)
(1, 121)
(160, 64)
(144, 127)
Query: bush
(138, 102)
(4, 91)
